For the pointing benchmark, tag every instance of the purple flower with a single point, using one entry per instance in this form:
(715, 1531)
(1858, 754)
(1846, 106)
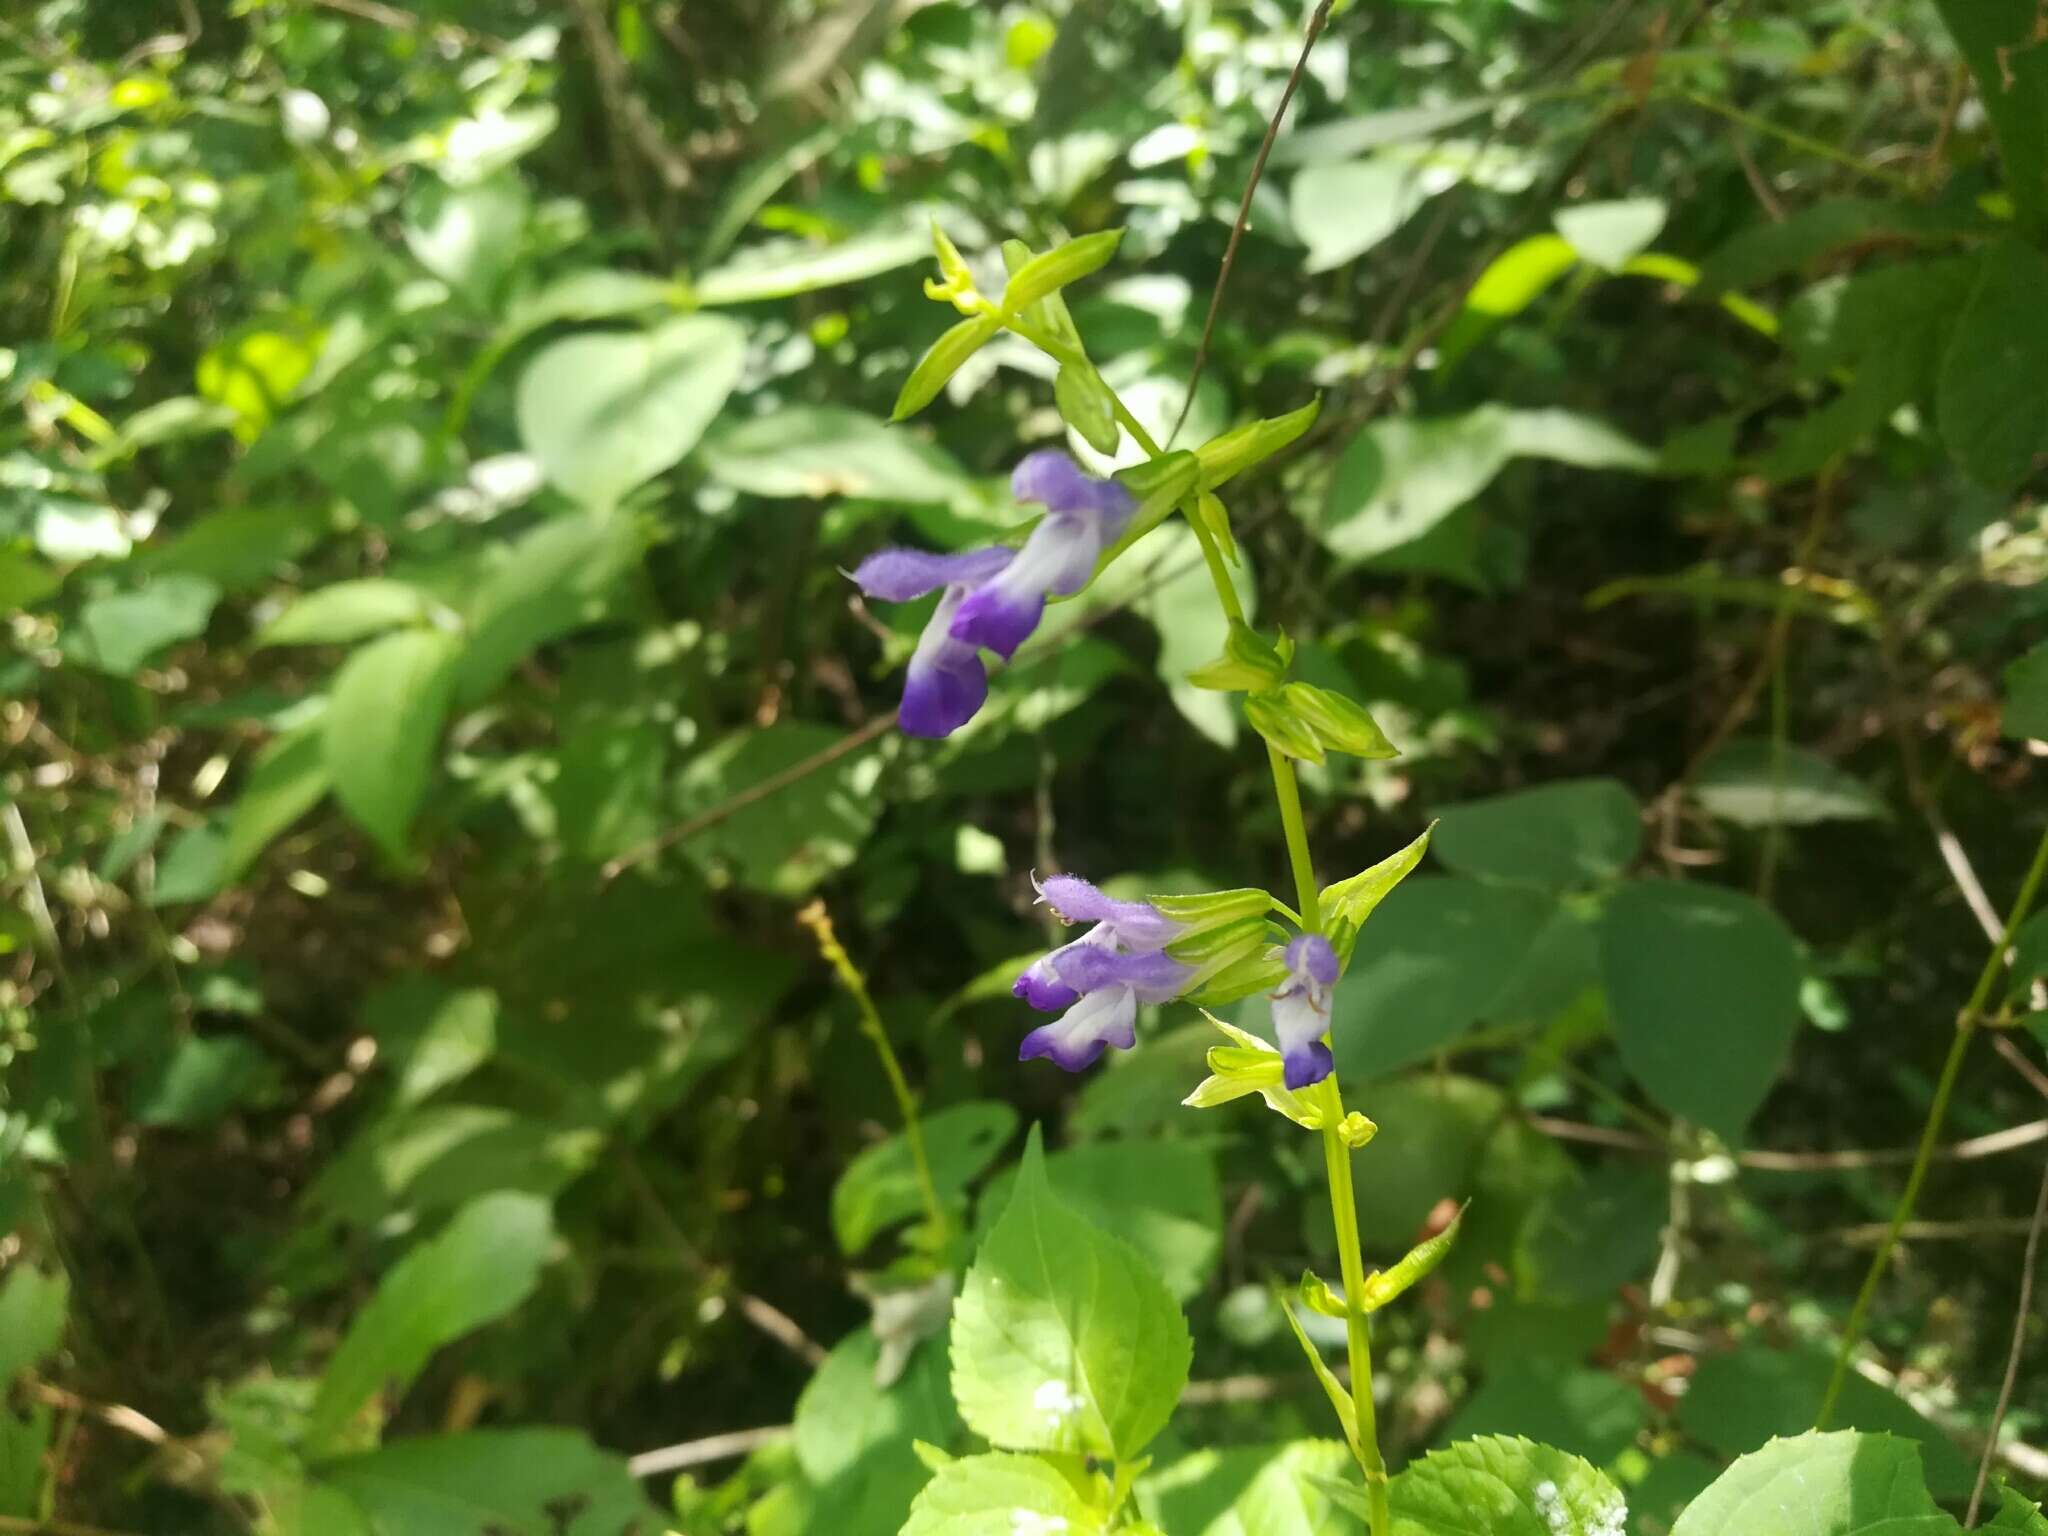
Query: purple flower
(1083, 517)
(1301, 1010)
(1101, 977)
(994, 597)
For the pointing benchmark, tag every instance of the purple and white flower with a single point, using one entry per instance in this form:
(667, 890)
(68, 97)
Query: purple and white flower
(1101, 977)
(994, 597)
(1301, 1010)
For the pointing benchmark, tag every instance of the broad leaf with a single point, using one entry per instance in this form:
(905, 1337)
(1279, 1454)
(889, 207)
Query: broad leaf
(2002, 41)
(880, 1187)
(1001, 1495)
(288, 779)
(1344, 210)
(508, 1482)
(2026, 695)
(826, 450)
(1575, 832)
(1840, 1484)
(1609, 234)
(1251, 1490)
(32, 1310)
(553, 580)
(854, 1438)
(1064, 1339)
(1992, 403)
(1703, 984)
(382, 729)
(119, 632)
(347, 610)
(1502, 1486)
(1754, 785)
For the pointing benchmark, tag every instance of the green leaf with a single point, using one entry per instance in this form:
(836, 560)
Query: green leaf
(823, 450)
(2016, 1513)
(1753, 785)
(1001, 1495)
(1504, 1486)
(605, 411)
(467, 236)
(1342, 211)
(553, 580)
(1340, 1399)
(1064, 1339)
(785, 268)
(1084, 404)
(32, 1311)
(854, 1438)
(2026, 696)
(596, 293)
(347, 610)
(1992, 400)
(1349, 903)
(879, 1187)
(1273, 715)
(1581, 1412)
(1571, 833)
(1249, 663)
(1159, 485)
(1053, 270)
(119, 632)
(2001, 39)
(1386, 1285)
(1840, 1484)
(1353, 135)
(484, 1263)
(382, 729)
(1609, 234)
(1241, 448)
(789, 841)
(1703, 985)
(941, 361)
(201, 1079)
(1251, 1490)
(1339, 724)
(457, 1034)
(508, 1482)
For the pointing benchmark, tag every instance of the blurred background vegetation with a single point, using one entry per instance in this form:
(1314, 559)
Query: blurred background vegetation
(430, 436)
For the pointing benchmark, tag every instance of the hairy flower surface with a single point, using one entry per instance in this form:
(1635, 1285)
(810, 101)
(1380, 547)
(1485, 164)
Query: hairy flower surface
(1101, 977)
(1301, 1010)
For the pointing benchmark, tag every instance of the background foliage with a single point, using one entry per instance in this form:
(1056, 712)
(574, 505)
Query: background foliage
(431, 436)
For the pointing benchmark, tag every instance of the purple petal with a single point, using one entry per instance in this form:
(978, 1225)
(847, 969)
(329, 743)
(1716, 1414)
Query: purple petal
(1075, 1039)
(1152, 976)
(1054, 480)
(1300, 1017)
(1136, 925)
(1307, 1064)
(897, 575)
(1311, 960)
(1000, 620)
(1041, 987)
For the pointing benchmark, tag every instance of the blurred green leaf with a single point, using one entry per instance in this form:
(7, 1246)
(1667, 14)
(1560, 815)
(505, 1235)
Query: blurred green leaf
(2026, 695)
(521, 1482)
(1840, 1484)
(382, 729)
(879, 1187)
(118, 633)
(1753, 784)
(1000, 1495)
(1574, 832)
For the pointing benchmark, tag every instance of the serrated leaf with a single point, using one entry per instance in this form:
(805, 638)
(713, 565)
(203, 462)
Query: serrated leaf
(1064, 1339)
(941, 361)
(482, 1265)
(345, 611)
(1001, 1495)
(382, 729)
(1055, 269)
(1507, 1486)
(1840, 1484)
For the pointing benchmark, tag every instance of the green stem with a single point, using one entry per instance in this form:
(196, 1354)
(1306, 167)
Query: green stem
(819, 921)
(1966, 1027)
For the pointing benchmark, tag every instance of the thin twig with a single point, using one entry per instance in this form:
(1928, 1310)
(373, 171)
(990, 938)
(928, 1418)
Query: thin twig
(697, 1453)
(1765, 1161)
(1866, 1233)
(1316, 22)
(2012, 1358)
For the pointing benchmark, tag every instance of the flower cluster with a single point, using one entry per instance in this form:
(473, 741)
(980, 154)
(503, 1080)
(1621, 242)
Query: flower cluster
(1101, 977)
(994, 597)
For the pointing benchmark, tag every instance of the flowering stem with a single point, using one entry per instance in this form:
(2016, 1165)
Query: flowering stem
(1966, 1027)
(819, 921)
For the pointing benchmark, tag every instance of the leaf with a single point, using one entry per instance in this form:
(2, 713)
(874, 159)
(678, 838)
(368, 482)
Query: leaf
(879, 1187)
(457, 1035)
(786, 842)
(1840, 1484)
(1768, 250)
(33, 1306)
(822, 450)
(1384, 1286)
(1431, 964)
(2016, 1513)
(382, 729)
(1342, 211)
(1503, 1486)
(1351, 902)
(605, 411)
(508, 1482)
(1992, 399)
(786, 268)
(1251, 1490)
(119, 632)
(1053, 270)
(467, 236)
(2002, 41)
(1085, 405)
(854, 1438)
(1703, 985)
(2026, 695)
(596, 293)
(1753, 785)
(1241, 448)
(1001, 1495)
(1609, 234)
(553, 580)
(1272, 714)
(346, 611)
(200, 1081)
(1339, 724)
(941, 361)
(1350, 136)
(1583, 1412)
(484, 1263)
(1572, 833)
(1063, 1338)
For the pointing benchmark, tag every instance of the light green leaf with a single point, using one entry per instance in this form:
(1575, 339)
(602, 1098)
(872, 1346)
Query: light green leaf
(1841, 1484)
(119, 632)
(880, 1187)
(1520, 274)
(2026, 695)
(1273, 715)
(1001, 1495)
(1574, 832)
(854, 1437)
(595, 293)
(553, 580)
(605, 411)
(1064, 1339)
(1350, 902)
(824, 450)
(809, 829)
(2017, 1514)
(202, 1078)
(452, 1041)
(1609, 234)
(1053, 270)
(1344, 210)
(1753, 785)
(1241, 448)
(941, 361)
(1703, 985)
(32, 1311)
(1338, 723)
(382, 729)
(1502, 1486)
(1251, 1490)
(786, 268)
(484, 1263)
(1992, 399)
(467, 236)
(1084, 404)
(509, 1482)
(347, 610)
(1353, 135)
